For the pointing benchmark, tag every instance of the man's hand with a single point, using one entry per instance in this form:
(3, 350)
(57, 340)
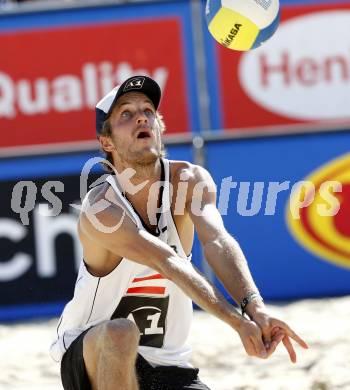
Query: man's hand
(251, 337)
(274, 331)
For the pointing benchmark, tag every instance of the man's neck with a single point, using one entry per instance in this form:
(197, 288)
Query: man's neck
(141, 173)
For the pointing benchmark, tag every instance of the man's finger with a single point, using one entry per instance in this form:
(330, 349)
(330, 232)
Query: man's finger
(289, 347)
(272, 348)
(264, 325)
(291, 333)
(277, 337)
(259, 347)
(252, 349)
(275, 330)
(266, 336)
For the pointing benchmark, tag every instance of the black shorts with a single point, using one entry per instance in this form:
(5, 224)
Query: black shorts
(74, 375)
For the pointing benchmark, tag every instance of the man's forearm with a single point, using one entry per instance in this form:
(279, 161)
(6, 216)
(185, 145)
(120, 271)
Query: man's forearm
(200, 290)
(229, 264)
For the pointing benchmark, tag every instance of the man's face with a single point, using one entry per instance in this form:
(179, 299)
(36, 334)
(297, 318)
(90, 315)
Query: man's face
(135, 130)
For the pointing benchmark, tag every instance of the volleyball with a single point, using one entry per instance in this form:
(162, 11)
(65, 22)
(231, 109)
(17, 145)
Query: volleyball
(242, 24)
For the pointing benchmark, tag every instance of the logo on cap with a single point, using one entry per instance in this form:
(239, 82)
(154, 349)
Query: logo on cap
(135, 83)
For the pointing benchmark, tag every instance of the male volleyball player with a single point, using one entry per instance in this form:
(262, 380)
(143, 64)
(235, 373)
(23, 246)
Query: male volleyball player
(127, 324)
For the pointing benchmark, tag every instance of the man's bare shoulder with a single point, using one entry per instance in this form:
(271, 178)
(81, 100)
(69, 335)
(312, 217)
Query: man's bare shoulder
(101, 210)
(186, 171)
(200, 185)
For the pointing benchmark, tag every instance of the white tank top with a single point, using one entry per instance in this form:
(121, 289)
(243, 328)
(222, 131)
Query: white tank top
(162, 312)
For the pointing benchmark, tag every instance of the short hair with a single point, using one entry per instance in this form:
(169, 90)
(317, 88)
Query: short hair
(107, 132)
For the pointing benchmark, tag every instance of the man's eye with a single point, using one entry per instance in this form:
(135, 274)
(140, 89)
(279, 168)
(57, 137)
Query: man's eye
(149, 112)
(125, 114)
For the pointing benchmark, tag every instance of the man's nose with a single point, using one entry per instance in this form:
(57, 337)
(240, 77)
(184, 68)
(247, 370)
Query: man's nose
(141, 118)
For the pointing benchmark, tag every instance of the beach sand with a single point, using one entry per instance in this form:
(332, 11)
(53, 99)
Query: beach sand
(324, 323)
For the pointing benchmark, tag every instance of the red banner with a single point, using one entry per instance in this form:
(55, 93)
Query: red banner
(50, 80)
(301, 75)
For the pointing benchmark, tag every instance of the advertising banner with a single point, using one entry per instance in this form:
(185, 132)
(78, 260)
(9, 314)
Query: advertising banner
(40, 251)
(53, 74)
(286, 200)
(301, 75)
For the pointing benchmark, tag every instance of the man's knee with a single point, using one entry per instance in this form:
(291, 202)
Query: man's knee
(114, 343)
(120, 336)
(121, 333)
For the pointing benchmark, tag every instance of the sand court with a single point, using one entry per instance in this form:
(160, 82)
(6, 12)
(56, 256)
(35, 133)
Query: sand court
(324, 323)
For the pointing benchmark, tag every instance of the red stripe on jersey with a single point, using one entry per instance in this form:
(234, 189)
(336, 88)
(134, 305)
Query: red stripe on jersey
(146, 289)
(156, 276)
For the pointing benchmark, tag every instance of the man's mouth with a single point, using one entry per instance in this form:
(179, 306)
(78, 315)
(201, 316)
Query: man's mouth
(143, 134)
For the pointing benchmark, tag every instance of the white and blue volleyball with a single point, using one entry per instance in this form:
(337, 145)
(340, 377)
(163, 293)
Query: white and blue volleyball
(242, 24)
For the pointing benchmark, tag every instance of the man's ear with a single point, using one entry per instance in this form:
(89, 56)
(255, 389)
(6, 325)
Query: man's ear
(106, 143)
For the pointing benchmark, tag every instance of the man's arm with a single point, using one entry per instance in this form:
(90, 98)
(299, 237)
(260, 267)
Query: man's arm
(221, 250)
(114, 230)
(227, 260)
